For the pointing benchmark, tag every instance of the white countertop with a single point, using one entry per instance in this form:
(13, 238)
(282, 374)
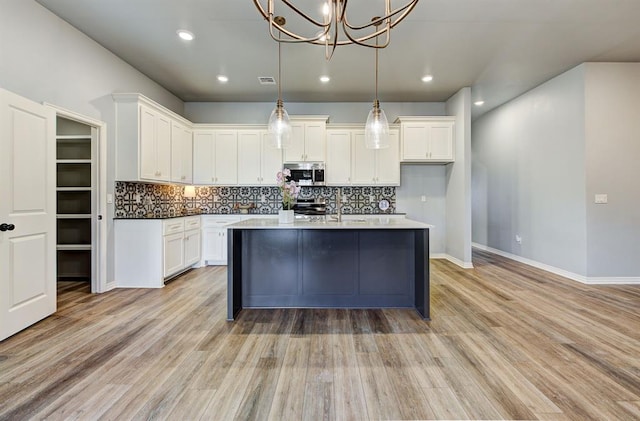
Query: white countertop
(368, 223)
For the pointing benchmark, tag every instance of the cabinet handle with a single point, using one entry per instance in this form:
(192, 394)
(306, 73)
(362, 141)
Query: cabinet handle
(213, 179)
(184, 177)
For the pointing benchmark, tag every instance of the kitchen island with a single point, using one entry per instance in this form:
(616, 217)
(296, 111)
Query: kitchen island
(372, 263)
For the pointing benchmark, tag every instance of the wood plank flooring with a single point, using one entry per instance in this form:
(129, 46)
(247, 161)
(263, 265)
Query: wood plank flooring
(507, 341)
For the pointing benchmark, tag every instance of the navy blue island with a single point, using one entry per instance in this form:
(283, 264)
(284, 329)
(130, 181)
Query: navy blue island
(373, 263)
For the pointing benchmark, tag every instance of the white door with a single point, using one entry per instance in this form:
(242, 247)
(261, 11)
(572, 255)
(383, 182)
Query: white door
(173, 253)
(271, 161)
(388, 162)
(147, 134)
(441, 141)
(191, 247)
(363, 161)
(163, 148)
(295, 151)
(249, 171)
(226, 157)
(203, 151)
(338, 157)
(314, 141)
(27, 207)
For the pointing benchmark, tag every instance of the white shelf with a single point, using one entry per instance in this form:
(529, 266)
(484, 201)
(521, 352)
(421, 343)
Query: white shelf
(73, 161)
(74, 137)
(73, 189)
(73, 216)
(73, 247)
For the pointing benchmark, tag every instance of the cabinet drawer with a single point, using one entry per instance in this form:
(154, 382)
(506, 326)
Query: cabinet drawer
(173, 226)
(219, 221)
(191, 222)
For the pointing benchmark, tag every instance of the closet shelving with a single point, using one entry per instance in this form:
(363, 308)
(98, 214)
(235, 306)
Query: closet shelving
(74, 191)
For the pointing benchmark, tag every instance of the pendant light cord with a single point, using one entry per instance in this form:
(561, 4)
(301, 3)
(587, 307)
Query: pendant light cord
(279, 71)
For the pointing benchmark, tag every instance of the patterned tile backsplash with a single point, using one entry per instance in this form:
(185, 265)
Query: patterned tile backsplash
(139, 200)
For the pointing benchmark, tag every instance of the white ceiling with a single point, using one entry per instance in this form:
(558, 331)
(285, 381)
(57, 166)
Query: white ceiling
(501, 48)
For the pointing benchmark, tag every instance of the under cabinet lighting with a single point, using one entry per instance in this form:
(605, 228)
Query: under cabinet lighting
(185, 35)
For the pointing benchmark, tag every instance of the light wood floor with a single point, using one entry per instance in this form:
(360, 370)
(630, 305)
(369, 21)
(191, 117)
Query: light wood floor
(506, 342)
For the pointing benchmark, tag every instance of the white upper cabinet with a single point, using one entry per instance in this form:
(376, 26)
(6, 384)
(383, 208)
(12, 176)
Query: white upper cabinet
(308, 139)
(349, 162)
(375, 166)
(215, 157)
(427, 139)
(258, 160)
(145, 141)
(338, 164)
(181, 154)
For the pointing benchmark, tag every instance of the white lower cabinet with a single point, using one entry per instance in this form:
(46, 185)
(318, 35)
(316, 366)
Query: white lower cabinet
(148, 251)
(173, 246)
(214, 238)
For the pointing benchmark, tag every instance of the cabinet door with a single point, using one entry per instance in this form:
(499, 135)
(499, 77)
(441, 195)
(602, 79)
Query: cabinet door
(223, 244)
(225, 165)
(173, 253)
(215, 244)
(163, 148)
(187, 156)
(388, 162)
(249, 157)
(338, 157)
(414, 141)
(363, 162)
(148, 169)
(191, 247)
(314, 141)
(295, 151)
(271, 161)
(203, 157)
(441, 141)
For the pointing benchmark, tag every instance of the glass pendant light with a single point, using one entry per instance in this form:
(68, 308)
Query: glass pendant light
(376, 130)
(279, 126)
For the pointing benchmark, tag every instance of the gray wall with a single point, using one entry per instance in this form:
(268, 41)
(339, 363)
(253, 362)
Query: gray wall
(47, 60)
(338, 112)
(528, 175)
(417, 180)
(458, 179)
(613, 168)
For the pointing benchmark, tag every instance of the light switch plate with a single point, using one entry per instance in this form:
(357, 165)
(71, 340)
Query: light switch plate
(109, 198)
(601, 199)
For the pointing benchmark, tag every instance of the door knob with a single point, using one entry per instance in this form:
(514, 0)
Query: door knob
(7, 227)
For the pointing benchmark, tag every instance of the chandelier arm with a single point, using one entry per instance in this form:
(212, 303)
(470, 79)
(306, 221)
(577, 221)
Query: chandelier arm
(301, 13)
(361, 41)
(404, 10)
(294, 37)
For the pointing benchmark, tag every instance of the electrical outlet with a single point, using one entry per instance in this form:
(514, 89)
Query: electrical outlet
(372, 198)
(423, 198)
(601, 199)
(137, 198)
(263, 198)
(518, 239)
(109, 198)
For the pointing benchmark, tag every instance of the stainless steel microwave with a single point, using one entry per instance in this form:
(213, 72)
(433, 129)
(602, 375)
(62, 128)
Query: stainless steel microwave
(306, 173)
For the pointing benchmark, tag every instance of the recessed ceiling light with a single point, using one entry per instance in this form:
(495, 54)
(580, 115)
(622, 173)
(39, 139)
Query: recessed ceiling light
(324, 79)
(478, 103)
(185, 35)
(223, 79)
(427, 78)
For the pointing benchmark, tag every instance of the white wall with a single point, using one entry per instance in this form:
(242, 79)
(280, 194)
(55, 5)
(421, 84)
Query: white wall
(613, 168)
(458, 181)
(47, 60)
(339, 112)
(528, 175)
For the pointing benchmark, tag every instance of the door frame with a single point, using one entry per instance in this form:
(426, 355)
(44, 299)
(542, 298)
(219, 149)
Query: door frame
(99, 283)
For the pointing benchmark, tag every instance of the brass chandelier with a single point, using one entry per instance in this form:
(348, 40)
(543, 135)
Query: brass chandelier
(334, 28)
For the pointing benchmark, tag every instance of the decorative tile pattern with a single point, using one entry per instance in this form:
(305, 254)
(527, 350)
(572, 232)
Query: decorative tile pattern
(139, 200)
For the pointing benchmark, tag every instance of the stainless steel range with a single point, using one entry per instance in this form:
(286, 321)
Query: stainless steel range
(310, 209)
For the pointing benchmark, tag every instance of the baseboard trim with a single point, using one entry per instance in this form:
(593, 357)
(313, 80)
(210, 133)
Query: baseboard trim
(607, 280)
(454, 260)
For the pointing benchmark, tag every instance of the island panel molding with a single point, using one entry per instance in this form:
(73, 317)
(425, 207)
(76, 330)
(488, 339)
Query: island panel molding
(381, 263)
